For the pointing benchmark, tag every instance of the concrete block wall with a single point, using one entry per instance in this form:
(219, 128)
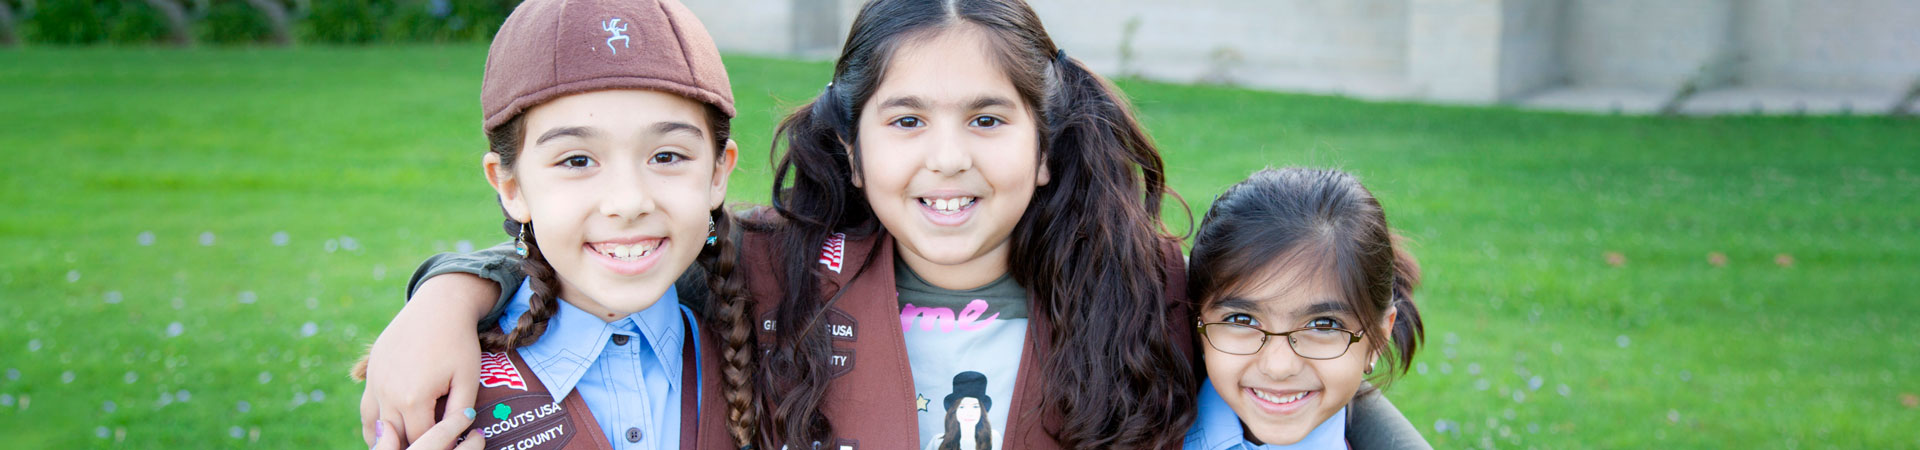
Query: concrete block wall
(1468, 51)
(1648, 44)
(1844, 45)
(1355, 47)
(748, 26)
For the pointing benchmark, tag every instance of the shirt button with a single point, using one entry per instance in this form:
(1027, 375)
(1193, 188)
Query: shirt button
(633, 435)
(619, 339)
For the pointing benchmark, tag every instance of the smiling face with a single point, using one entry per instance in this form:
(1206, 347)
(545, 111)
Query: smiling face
(618, 185)
(949, 157)
(1280, 396)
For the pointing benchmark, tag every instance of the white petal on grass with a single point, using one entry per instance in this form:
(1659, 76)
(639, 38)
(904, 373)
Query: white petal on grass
(349, 244)
(1420, 368)
(109, 407)
(266, 377)
(73, 276)
(317, 396)
(131, 377)
(1623, 341)
(113, 297)
(307, 330)
(166, 398)
(174, 329)
(6, 400)
(179, 303)
(1473, 368)
(332, 245)
(379, 272)
(206, 238)
(33, 345)
(236, 432)
(102, 432)
(299, 398)
(1519, 396)
(280, 239)
(1533, 384)
(243, 407)
(145, 238)
(313, 303)
(13, 374)
(463, 246)
(66, 377)
(1482, 384)
(248, 297)
(183, 396)
(1565, 391)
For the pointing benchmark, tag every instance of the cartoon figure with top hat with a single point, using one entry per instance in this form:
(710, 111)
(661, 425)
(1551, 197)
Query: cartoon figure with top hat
(967, 409)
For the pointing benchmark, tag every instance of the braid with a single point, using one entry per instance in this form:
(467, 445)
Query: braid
(729, 309)
(545, 302)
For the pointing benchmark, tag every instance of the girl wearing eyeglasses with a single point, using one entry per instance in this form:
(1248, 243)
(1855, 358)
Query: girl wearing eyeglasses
(1302, 288)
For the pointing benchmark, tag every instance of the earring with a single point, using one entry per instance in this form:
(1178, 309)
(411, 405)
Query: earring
(1370, 367)
(520, 240)
(710, 236)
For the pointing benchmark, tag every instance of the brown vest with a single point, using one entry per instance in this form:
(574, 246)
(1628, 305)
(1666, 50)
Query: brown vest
(516, 412)
(871, 398)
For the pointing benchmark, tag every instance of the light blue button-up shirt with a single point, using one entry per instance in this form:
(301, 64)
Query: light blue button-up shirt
(1218, 428)
(632, 386)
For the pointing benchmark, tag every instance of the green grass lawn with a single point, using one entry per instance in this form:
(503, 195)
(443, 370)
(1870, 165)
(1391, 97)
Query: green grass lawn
(201, 242)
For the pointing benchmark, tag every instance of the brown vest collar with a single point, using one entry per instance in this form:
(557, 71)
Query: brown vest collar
(515, 410)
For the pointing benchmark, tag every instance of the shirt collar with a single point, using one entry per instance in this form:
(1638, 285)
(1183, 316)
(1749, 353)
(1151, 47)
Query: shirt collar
(574, 338)
(1218, 428)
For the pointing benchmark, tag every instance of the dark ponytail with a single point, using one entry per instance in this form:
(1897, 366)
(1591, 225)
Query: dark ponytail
(1116, 376)
(812, 199)
(1408, 332)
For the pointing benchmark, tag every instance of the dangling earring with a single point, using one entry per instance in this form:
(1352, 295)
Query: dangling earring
(710, 236)
(1370, 367)
(520, 240)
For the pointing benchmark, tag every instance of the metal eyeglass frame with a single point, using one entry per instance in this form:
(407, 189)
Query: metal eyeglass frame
(1201, 327)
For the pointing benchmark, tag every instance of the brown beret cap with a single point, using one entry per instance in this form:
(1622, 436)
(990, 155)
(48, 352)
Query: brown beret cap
(552, 48)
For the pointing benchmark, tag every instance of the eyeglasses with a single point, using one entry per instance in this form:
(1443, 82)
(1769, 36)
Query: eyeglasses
(1309, 343)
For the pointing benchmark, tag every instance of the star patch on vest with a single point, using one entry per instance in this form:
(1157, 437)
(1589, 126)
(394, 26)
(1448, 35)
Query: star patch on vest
(497, 370)
(834, 252)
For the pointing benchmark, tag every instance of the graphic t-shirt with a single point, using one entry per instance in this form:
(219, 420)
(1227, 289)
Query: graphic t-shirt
(964, 347)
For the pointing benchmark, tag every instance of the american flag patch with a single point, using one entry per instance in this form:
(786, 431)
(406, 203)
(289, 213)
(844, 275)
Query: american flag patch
(834, 252)
(496, 370)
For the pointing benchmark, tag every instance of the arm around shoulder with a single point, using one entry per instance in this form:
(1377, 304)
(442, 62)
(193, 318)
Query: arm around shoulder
(491, 274)
(1376, 424)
